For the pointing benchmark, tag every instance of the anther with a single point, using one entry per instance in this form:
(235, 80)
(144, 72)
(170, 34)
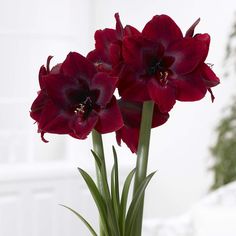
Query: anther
(80, 109)
(163, 77)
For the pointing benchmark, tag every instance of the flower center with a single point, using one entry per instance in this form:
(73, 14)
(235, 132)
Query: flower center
(157, 70)
(84, 108)
(80, 109)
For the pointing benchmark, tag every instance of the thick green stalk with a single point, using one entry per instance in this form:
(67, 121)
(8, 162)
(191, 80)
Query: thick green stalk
(98, 149)
(142, 158)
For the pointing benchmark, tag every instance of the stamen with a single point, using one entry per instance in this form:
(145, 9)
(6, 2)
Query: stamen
(210, 65)
(163, 77)
(80, 109)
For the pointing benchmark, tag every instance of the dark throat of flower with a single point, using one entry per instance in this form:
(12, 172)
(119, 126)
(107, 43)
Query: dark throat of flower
(84, 108)
(157, 69)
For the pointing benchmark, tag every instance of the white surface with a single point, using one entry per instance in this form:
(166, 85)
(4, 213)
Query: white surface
(32, 30)
(213, 216)
(215, 221)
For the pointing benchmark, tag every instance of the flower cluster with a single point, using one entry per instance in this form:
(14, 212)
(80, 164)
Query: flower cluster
(159, 64)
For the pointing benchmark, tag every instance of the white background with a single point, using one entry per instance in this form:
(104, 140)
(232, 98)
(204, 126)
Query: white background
(32, 30)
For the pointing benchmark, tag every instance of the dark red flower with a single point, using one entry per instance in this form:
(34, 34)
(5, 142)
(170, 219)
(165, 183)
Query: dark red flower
(131, 113)
(107, 55)
(74, 99)
(162, 65)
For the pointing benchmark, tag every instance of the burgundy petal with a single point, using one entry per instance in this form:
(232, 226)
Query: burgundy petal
(105, 85)
(42, 72)
(131, 112)
(76, 64)
(136, 91)
(164, 96)
(162, 29)
(129, 136)
(190, 87)
(212, 95)
(188, 53)
(119, 26)
(104, 37)
(209, 77)
(82, 128)
(115, 54)
(204, 38)
(190, 31)
(131, 31)
(100, 59)
(139, 52)
(59, 88)
(131, 86)
(159, 118)
(48, 63)
(110, 118)
(38, 105)
(52, 120)
(132, 50)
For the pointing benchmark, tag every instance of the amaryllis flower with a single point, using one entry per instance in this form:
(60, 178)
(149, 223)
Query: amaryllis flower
(107, 55)
(131, 113)
(74, 99)
(162, 65)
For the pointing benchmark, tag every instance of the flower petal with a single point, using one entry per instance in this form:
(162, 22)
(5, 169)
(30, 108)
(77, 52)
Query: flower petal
(130, 31)
(135, 92)
(60, 89)
(105, 85)
(190, 87)
(188, 53)
(119, 26)
(82, 128)
(190, 31)
(129, 136)
(209, 77)
(131, 112)
(164, 96)
(110, 118)
(131, 86)
(53, 120)
(77, 66)
(138, 52)
(42, 72)
(38, 105)
(100, 59)
(162, 29)
(159, 118)
(204, 38)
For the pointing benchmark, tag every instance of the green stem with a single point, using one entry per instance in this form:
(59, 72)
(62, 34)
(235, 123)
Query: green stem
(98, 149)
(142, 158)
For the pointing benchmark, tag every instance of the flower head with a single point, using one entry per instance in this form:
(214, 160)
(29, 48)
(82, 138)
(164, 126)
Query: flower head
(74, 99)
(107, 55)
(162, 65)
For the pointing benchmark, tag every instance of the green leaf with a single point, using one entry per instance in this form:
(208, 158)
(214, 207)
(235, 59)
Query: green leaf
(134, 206)
(115, 195)
(90, 228)
(124, 198)
(98, 198)
(112, 220)
(97, 159)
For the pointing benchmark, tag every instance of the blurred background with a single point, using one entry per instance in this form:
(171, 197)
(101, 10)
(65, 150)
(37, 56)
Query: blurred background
(35, 177)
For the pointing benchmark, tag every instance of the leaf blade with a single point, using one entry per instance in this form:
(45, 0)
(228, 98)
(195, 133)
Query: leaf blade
(98, 199)
(134, 206)
(90, 228)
